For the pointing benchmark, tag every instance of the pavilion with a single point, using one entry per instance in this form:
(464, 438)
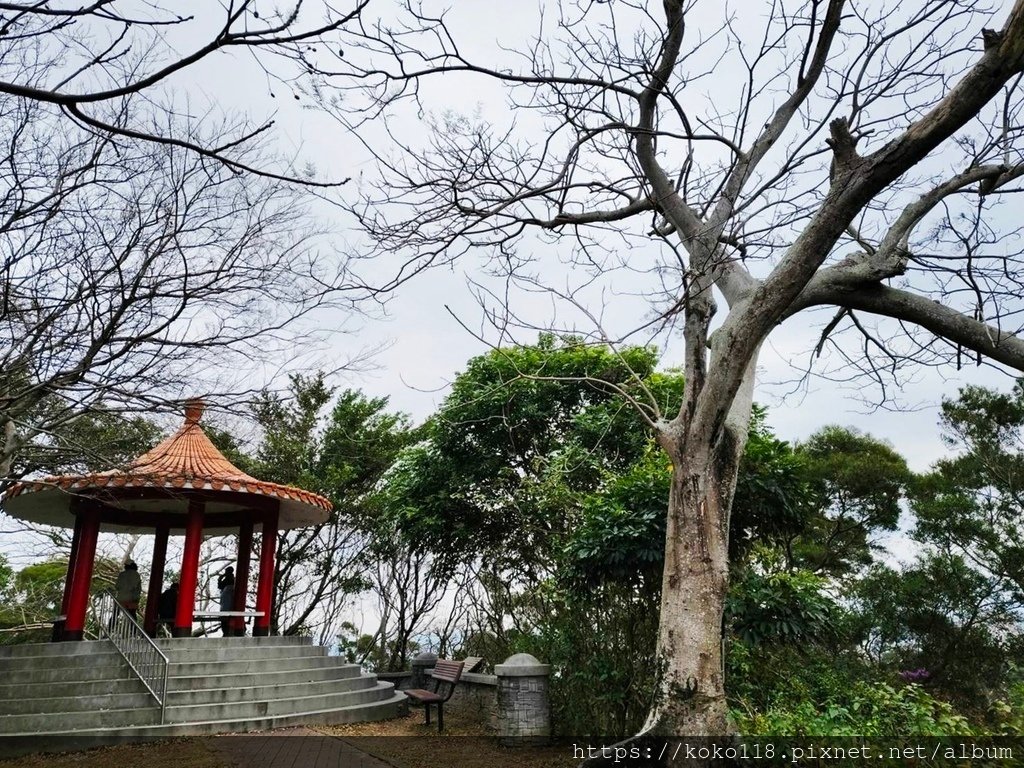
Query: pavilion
(183, 486)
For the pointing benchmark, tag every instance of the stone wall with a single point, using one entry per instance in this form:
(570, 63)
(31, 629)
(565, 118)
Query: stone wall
(475, 700)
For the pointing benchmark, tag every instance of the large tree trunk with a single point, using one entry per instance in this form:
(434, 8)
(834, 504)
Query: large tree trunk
(695, 581)
(694, 584)
(696, 576)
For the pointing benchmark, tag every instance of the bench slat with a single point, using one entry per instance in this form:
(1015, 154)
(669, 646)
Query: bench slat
(423, 696)
(448, 671)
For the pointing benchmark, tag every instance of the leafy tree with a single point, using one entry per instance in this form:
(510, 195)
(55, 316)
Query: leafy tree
(972, 502)
(773, 502)
(779, 607)
(943, 618)
(30, 598)
(524, 434)
(92, 440)
(858, 483)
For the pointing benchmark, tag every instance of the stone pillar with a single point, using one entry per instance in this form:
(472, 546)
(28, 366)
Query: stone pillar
(420, 664)
(524, 703)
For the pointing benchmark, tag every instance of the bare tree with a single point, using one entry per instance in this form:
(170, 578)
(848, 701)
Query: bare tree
(821, 153)
(318, 574)
(133, 274)
(408, 590)
(87, 58)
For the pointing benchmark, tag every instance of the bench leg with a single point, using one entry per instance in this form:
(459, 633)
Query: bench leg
(440, 716)
(426, 708)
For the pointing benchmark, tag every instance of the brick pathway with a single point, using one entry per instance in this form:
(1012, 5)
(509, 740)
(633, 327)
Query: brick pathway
(292, 748)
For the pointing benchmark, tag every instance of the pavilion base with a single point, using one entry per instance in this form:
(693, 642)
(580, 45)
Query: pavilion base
(73, 635)
(181, 632)
(261, 631)
(222, 685)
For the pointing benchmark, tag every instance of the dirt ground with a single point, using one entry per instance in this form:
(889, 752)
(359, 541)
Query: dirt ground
(408, 743)
(404, 743)
(176, 753)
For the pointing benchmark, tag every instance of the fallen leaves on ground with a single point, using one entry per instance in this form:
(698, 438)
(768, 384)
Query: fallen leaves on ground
(408, 743)
(175, 753)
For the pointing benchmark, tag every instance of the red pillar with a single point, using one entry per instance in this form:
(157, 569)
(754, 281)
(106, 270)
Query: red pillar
(242, 576)
(156, 579)
(189, 571)
(76, 542)
(78, 600)
(265, 590)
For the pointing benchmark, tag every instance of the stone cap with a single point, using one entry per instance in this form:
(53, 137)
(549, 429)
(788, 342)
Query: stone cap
(424, 659)
(522, 665)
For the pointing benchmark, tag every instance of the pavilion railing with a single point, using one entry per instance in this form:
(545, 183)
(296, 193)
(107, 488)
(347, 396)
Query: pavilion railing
(149, 663)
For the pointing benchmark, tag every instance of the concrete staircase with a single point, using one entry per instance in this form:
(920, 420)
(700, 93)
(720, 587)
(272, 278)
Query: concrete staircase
(61, 696)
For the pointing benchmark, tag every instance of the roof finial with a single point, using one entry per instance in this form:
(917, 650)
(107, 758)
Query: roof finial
(194, 410)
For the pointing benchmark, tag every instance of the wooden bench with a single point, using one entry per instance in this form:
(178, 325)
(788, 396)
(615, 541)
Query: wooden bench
(446, 673)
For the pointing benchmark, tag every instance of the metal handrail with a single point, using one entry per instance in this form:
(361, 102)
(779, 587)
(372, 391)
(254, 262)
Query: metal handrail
(147, 661)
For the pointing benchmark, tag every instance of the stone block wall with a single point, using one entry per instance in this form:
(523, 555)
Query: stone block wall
(524, 701)
(475, 700)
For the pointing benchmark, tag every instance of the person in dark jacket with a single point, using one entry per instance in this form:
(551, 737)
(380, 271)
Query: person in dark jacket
(226, 585)
(168, 605)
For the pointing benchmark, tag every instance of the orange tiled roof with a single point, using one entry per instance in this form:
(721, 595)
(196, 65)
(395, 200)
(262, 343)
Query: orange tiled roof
(185, 460)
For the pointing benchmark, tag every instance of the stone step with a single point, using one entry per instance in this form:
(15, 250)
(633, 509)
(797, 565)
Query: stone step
(76, 701)
(173, 643)
(46, 722)
(112, 666)
(55, 649)
(148, 712)
(15, 744)
(269, 676)
(244, 666)
(114, 685)
(198, 653)
(261, 692)
(275, 707)
(49, 661)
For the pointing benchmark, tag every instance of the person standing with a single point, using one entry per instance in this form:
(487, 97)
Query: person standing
(128, 589)
(168, 606)
(226, 585)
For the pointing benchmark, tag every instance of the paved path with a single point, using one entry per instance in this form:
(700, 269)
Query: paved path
(292, 748)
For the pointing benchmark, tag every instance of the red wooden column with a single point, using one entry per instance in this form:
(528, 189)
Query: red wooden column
(242, 576)
(189, 571)
(76, 542)
(265, 589)
(78, 600)
(156, 579)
